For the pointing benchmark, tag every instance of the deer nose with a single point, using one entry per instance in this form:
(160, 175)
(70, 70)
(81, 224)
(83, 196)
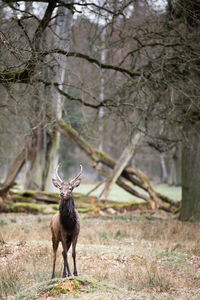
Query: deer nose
(62, 194)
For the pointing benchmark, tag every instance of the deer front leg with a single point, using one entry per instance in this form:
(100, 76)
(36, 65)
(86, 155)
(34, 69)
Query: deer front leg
(55, 247)
(66, 265)
(74, 256)
(66, 247)
(66, 243)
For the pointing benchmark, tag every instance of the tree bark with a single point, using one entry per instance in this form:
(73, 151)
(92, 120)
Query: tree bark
(164, 173)
(190, 209)
(174, 177)
(36, 159)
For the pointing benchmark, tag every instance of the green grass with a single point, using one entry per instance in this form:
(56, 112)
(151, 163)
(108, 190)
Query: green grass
(173, 192)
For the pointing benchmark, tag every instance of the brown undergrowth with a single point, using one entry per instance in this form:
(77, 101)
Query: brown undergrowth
(120, 257)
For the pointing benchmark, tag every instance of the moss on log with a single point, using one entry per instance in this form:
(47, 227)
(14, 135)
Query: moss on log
(33, 208)
(36, 202)
(33, 196)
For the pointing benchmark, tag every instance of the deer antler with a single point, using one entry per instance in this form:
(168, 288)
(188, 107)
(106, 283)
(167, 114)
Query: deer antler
(57, 176)
(75, 178)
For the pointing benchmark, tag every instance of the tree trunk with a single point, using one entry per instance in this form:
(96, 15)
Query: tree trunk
(174, 177)
(51, 161)
(63, 30)
(190, 209)
(36, 160)
(164, 173)
(45, 150)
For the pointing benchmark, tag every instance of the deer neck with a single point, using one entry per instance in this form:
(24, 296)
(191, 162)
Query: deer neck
(68, 216)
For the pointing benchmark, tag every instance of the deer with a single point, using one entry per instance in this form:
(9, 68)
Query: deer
(65, 224)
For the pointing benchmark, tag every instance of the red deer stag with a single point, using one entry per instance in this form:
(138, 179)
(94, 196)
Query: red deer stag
(65, 224)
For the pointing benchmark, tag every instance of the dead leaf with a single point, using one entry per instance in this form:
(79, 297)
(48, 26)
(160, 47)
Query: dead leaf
(93, 199)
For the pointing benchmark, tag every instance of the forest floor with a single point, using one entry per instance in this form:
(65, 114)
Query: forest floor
(140, 255)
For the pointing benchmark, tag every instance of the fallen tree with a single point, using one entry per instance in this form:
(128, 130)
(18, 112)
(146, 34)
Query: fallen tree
(130, 177)
(48, 202)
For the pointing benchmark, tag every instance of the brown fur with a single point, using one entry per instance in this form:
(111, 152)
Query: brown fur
(65, 224)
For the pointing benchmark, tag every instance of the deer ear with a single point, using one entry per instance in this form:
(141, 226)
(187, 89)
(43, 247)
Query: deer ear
(76, 183)
(56, 183)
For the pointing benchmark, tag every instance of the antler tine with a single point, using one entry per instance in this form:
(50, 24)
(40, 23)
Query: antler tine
(79, 174)
(57, 176)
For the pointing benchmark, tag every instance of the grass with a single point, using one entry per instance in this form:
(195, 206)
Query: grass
(9, 281)
(173, 192)
(120, 257)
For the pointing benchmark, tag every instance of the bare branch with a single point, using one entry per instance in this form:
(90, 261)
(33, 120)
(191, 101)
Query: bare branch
(43, 24)
(80, 100)
(93, 61)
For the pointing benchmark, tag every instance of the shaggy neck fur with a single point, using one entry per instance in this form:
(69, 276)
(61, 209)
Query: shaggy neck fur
(68, 216)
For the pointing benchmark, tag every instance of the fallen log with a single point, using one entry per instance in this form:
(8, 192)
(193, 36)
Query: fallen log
(48, 203)
(146, 185)
(134, 176)
(33, 196)
(121, 183)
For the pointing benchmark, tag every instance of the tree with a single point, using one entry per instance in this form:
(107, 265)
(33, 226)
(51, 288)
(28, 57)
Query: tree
(188, 12)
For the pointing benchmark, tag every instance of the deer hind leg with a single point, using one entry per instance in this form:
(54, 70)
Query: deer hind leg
(74, 254)
(55, 247)
(66, 247)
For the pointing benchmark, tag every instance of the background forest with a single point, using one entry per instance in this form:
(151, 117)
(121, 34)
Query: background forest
(113, 86)
(110, 71)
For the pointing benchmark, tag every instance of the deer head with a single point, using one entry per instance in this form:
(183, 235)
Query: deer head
(66, 188)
